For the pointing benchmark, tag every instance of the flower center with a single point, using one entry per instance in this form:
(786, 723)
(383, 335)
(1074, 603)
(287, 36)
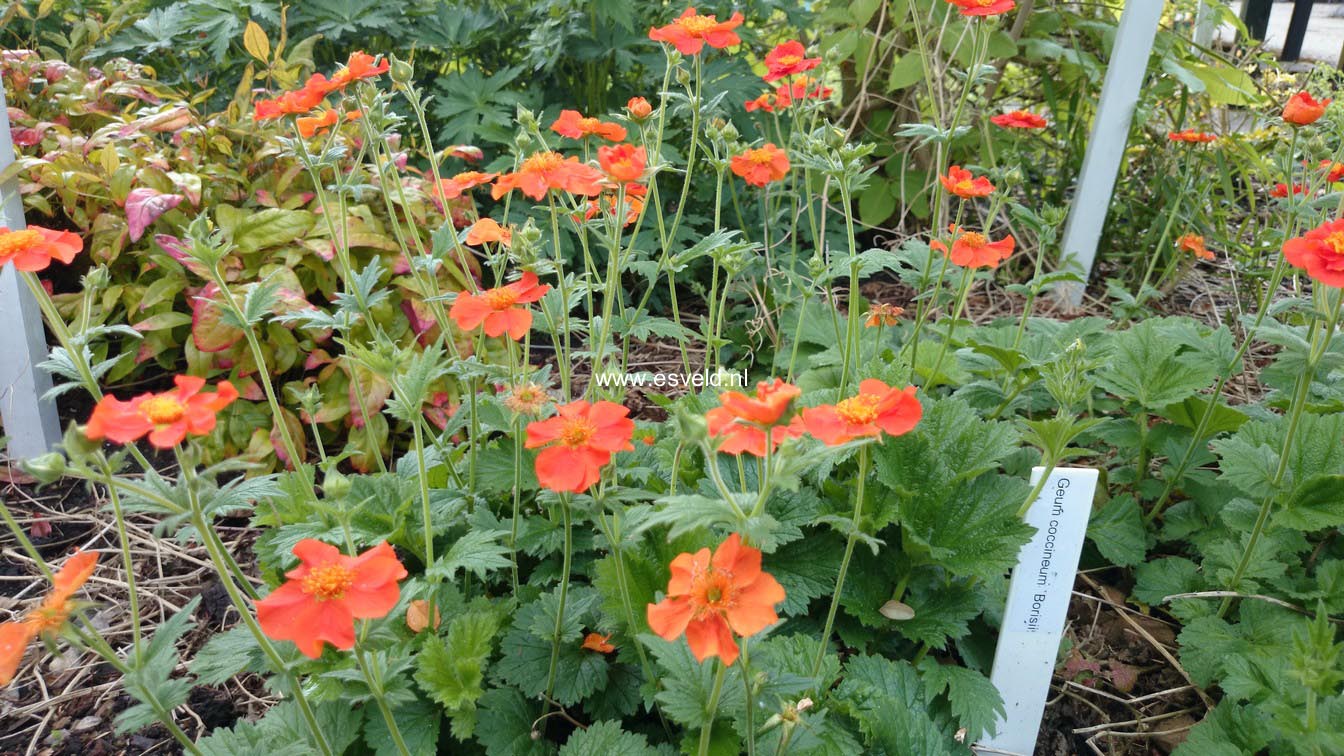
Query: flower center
(162, 410)
(500, 299)
(589, 125)
(1336, 242)
(329, 582)
(858, 410)
(966, 185)
(790, 60)
(577, 431)
(985, 3)
(542, 162)
(973, 239)
(760, 157)
(48, 619)
(713, 591)
(17, 241)
(697, 25)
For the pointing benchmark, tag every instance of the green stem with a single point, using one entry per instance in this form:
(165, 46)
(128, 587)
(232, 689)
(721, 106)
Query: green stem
(216, 552)
(963, 290)
(380, 697)
(564, 593)
(1299, 403)
(844, 562)
(746, 687)
(123, 539)
(712, 709)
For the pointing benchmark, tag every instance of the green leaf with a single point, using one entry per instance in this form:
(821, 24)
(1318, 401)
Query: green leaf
(451, 668)
(975, 702)
(1317, 504)
(1118, 531)
(505, 725)
(253, 231)
(477, 551)
(1148, 367)
(1227, 730)
(606, 739)
(806, 569)
(227, 654)
(418, 721)
(687, 683)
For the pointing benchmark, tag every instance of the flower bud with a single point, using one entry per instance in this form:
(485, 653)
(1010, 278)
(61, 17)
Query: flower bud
(402, 71)
(335, 485)
(638, 108)
(47, 468)
(691, 426)
(527, 120)
(683, 77)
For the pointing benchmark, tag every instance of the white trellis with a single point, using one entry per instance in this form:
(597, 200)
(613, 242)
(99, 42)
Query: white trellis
(1125, 73)
(29, 422)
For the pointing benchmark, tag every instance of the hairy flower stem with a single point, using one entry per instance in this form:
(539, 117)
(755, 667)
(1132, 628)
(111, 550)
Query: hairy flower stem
(564, 594)
(215, 549)
(712, 709)
(963, 290)
(375, 684)
(1320, 345)
(561, 338)
(850, 357)
(844, 561)
(746, 689)
(518, 438)
(123, 539)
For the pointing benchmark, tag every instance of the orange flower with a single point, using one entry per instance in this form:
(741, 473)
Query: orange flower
(168, 417)
(638, 108)
(1303, 109)
(1333, 171)
(572, 124)
(634, 203)
(975, 250)
(32, 249)
(964, 184)
(1191, 136)
(327, 592)
(579, 442)
(359, 66)
(623, 163)
(761, 165)
(1019, 119)
(712, 598)
(598, 642)
(876, 409)
(550, 170)
(309, 126)
(741, 420)
(787, 59)
(690, 32)
(1320, 252)
(296, 102)
(1194, 244)
(486, 230)
(1281, 189)
(973, 8)
(883, 315)
(47, 618)
(767, 101)
(498, 308)
(452, 188)
(799, 90)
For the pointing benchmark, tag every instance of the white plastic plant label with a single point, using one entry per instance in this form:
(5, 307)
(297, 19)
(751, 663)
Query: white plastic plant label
(1038, 602)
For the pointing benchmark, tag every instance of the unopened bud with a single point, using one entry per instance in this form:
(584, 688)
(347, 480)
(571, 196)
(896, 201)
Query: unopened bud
(47, 468)
(402, 71)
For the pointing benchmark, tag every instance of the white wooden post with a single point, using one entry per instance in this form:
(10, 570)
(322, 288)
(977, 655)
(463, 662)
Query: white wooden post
(1125, 73)
(29, 422)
